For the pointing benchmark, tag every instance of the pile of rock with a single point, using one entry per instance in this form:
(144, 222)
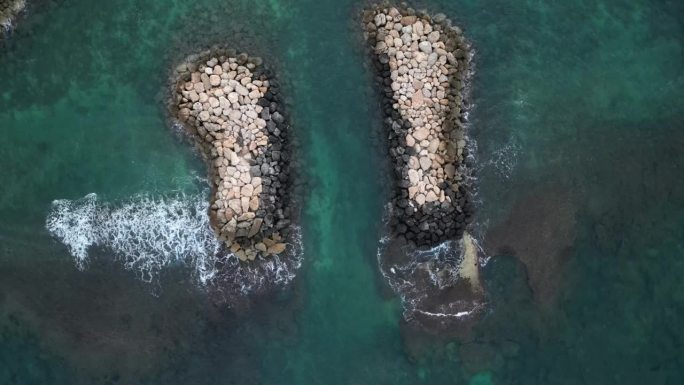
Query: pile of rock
(8, 11)
(422, 65)
(230, 105)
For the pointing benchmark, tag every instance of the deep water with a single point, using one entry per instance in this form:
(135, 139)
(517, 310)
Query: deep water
(578, 117)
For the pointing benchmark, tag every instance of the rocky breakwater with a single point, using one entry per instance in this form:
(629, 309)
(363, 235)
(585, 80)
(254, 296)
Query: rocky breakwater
(229, 103)
(9, 10)
(422, 64)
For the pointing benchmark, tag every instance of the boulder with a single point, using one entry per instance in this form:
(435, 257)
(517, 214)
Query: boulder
(277, 248)
(425, 163)
(414, 176)
(421, 133)
(425, 47)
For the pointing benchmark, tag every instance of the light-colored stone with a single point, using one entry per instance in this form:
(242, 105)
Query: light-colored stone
(414, 176)
(425, 163)
(425, 46)
(421, 133)
(277, 248)
(215, 80)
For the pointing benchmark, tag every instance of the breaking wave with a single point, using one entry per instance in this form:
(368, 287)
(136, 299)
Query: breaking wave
(149, 234)
(145, 233)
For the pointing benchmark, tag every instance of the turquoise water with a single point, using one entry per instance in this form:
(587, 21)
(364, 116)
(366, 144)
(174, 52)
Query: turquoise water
(578, 116)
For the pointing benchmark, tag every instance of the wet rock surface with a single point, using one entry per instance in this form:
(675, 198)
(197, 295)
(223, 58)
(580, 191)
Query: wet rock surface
(8, 12)
(229, 103)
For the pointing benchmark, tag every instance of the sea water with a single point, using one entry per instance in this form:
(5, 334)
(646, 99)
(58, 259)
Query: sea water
(574, 99)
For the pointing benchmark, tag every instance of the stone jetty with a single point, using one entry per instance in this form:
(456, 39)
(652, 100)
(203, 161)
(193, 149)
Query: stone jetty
(9, 10)
(422, 65)
(229, 103)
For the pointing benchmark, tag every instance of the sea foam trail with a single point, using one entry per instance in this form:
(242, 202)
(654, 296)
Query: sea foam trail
(145, 233)
(149, 234)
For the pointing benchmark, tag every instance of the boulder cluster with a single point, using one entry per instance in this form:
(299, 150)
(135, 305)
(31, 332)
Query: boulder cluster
(8, 11)
(422, 65)
(229, 103)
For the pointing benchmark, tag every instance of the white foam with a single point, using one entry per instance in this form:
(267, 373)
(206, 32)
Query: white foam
(146, 233)
(150, 233)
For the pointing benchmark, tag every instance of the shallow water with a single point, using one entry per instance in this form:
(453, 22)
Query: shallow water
(578, 116)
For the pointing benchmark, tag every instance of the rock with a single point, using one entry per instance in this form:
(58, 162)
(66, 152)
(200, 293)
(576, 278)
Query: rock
(380, 19)
(433, 146)
(418, 28)
(235, 115)
(414, 176)
(277, 117)
(241, 255)
(417, 100)
(421, 133)
(414, 163)
(256, 226)
(425, 47)
(433, 37)
(425, 163)
(408, 20)
(241, 90)
(254, 203)
(432, 59)
(449, 171)
(277, 248)
(215, 80)
(247, 190)
(235, 205)
(439, 18)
